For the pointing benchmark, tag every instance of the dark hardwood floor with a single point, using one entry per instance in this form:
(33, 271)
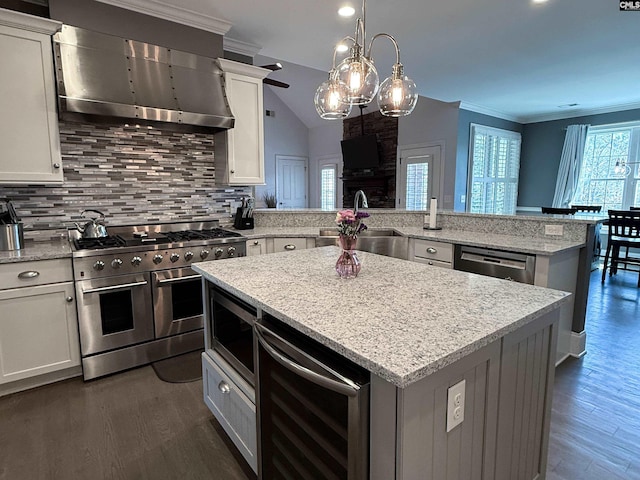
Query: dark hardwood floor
(595, 424)
(134, 426)
(127, 426)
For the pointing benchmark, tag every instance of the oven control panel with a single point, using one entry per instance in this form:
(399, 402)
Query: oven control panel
(120, 263)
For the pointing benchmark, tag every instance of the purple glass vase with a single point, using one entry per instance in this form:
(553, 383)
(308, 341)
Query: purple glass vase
(348, 264)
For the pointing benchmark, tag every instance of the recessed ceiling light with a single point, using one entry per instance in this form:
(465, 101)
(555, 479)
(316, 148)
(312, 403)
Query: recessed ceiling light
(341, 47)
(568, 105)
(346, 11)
(539, 1)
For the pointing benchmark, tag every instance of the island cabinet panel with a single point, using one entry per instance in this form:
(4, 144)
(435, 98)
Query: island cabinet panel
(426, 450)
(234, 410)
(526, 391)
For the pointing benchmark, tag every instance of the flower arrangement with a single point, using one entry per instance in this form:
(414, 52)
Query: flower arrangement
(349, 223)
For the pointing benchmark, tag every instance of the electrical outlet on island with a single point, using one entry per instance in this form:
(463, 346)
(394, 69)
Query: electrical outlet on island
(557, 230)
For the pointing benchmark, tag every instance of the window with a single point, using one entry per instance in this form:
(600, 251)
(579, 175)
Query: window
(494, 165)
(601, 183)
(328, 187)
(418, 176)
(417, 195)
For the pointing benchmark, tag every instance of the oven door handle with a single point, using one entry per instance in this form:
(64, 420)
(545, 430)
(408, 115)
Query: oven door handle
(344, 387)
(114, 287)
(178, 279)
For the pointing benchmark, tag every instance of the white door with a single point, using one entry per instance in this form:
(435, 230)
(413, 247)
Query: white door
(291, 181)
(419, 177)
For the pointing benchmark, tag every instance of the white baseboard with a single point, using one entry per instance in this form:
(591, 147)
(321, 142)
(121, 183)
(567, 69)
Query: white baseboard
(578, 344)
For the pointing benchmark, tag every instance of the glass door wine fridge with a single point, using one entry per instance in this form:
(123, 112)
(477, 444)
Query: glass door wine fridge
(313, 408)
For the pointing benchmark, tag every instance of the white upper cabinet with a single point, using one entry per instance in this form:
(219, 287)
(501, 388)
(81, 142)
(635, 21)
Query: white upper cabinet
(239, 152)
(29, 136)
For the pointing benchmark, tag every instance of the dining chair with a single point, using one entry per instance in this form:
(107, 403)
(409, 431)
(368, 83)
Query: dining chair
(587, 208)
(624, 231)
(559, 211)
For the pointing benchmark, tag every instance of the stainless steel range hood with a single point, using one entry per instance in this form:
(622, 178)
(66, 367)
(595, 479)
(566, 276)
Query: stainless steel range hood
(103, 75)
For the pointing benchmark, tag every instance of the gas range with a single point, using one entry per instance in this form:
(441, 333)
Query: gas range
(130, 249)
(138, 299)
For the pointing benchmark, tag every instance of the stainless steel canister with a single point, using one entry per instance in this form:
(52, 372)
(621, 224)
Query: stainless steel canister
(11, 236)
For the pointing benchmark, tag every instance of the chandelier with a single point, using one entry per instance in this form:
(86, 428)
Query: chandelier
(355, 80)
(622, 167)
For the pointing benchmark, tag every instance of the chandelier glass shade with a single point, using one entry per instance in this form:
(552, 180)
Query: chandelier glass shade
(329, 99)
(356, 78)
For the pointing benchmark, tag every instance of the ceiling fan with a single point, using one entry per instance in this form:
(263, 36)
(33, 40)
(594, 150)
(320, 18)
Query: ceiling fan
(274, 67)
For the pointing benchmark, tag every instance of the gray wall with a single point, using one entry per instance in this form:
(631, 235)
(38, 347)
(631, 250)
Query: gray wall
(112, 20)
(284, 134)
(465, 119)
(541, 149)
(324, 142)
(434, 121)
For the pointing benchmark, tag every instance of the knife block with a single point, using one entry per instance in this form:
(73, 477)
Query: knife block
(242, 223)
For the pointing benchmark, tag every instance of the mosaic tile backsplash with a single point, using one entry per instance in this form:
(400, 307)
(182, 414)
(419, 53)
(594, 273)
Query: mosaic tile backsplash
(132, 175)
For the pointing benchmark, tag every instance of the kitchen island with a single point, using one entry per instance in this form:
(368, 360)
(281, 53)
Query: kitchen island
(418, 331)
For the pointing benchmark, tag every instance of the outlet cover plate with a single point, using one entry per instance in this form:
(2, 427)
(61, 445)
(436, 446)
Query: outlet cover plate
(554, 230)
(455, 405)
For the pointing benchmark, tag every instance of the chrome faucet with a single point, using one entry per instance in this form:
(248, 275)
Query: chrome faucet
(360, 194)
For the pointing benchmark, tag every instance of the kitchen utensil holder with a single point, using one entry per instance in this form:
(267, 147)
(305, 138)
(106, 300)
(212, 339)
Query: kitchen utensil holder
(242, 223)
(11, 236)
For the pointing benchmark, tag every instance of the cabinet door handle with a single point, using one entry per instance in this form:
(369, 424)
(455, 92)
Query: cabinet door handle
(69, 299)
(289, 247)
(431, 250)
(256, 242)
(28, 274)
(232, 171)
(224, 387)
(56, 165)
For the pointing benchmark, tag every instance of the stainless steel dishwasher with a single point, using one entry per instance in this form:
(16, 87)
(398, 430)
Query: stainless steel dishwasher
(517, 267)
(313, 408)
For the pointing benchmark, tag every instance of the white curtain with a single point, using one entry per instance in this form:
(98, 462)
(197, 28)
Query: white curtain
(570, 163)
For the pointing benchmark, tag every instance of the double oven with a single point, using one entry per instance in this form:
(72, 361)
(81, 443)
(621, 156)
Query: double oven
(139, 300)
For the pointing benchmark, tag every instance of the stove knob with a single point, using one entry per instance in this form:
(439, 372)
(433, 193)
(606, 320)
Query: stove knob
(204, 253)
(99, 265)
(116, 263)
(174, 257)
(188, 256)
(219, 252)
(157, 258)
(231, 251)
(136, 261)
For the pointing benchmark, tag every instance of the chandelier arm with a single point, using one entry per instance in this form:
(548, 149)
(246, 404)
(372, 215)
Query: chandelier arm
(335, 50)
(390, 37)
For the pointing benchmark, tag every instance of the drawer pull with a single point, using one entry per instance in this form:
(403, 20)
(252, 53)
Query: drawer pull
(432, 250)
(224, 387)
(28, 274)
(256, 242)
(289, 247)
(430, 262)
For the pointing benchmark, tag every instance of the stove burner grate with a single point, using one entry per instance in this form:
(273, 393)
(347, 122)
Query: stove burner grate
(99, 243)
(187, 235)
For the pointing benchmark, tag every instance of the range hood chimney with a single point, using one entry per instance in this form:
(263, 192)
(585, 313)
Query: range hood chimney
(103, 75)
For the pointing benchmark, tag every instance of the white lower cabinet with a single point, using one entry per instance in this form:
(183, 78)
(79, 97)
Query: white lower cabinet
(256, 246)
(289, 244)
(233, 409)
(439, 254)
(38, 325)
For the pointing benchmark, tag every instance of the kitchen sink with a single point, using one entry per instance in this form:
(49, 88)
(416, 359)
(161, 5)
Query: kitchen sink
(381, 241)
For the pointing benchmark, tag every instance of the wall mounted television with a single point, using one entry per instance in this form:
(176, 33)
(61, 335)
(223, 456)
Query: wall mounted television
(360, 153)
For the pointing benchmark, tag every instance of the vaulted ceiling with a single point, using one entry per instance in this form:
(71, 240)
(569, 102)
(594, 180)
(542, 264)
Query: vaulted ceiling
(515, 59)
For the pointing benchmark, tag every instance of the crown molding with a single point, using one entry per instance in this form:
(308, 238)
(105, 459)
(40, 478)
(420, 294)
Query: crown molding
(580, 112)
(240, 47)
(488, 111)
(180, 15)
(32, 23)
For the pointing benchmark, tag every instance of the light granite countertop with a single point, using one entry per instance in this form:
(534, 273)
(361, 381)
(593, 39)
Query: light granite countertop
(535, 246)
(37, 250)
(400, 320)
(529, 245)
